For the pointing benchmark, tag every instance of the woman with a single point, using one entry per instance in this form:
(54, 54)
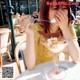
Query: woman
(35, 52)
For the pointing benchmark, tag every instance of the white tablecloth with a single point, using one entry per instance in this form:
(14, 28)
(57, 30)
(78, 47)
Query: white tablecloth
(72, 71)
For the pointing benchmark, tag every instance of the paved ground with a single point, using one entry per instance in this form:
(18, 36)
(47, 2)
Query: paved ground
(7, 63)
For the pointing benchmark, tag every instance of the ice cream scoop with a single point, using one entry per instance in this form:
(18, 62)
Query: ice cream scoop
(53, 20)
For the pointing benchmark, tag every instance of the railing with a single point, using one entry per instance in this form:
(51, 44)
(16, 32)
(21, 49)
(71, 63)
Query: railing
(20, 6)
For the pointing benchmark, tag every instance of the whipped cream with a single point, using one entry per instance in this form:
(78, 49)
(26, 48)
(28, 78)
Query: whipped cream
(53, 20)
(56, 44)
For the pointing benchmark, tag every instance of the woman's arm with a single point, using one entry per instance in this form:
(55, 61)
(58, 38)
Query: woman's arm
(73, 46)
(29, 53)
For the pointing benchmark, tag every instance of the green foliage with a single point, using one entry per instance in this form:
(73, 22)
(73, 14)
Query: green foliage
(78, 30)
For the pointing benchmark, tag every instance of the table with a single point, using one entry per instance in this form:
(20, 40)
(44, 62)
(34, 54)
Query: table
(4, 30)
(4, 36)
(73, 71)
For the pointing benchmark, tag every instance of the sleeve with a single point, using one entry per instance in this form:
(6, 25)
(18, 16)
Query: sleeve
(73, 32)
(36, 36)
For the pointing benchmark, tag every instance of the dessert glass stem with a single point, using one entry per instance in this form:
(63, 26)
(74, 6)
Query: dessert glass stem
(56, 61)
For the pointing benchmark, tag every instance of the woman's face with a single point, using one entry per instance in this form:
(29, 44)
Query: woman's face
(55, 9)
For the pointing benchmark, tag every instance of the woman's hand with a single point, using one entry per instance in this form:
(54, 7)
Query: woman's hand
(62, 19)
(25, 23)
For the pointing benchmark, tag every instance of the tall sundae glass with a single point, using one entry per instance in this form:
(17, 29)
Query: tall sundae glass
(55, 45)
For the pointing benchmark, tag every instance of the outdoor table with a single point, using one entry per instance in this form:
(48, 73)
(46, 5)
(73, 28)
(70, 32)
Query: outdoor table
(4, 36)
(72, 71)
(4, 30)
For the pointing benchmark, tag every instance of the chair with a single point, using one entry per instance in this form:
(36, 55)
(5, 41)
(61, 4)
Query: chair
(4, 36)
(20, 47)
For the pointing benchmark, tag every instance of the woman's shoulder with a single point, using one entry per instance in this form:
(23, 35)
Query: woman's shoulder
(73, 31)
(71, 27)
(37, 27)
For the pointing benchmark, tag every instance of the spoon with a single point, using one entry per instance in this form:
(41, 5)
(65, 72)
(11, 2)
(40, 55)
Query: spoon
(51, 21)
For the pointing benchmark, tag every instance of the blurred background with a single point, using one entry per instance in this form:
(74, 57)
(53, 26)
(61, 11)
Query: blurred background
(27, 7)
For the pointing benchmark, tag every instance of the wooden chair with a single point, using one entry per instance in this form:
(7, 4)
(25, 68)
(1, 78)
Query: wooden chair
(20, 47)
(4, 36)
